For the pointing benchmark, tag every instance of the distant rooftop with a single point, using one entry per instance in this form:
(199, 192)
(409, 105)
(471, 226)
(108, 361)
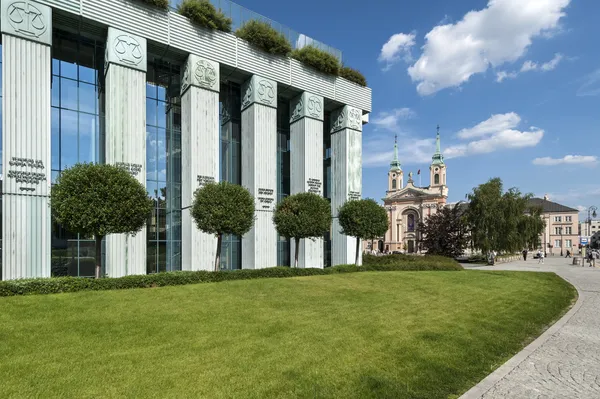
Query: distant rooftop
(240, 15)
(549, 206)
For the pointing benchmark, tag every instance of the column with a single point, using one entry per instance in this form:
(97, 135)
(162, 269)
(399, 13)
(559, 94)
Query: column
(346, 176)
(125, 121)
(26, 126)
(199, 155)
(306, 165)
(259, 169)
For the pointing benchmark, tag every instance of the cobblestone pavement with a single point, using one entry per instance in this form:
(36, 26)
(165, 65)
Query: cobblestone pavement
(565, 361)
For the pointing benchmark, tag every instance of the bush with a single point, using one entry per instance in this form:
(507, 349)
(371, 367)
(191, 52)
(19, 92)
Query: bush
(412, 262)
(164, 4)
(318, 59)
(353, 75)
(75, 284)
(265, 37)
(203, 13)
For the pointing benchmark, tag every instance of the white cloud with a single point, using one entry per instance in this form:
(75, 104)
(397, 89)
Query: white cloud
(500, 76)
(495, 123)
(389, 119)
(496, 133)
(529, 66)
(590, 85)
(379, 150)
(567, 160)
(397, 47)
(498, 34)
(553, 63)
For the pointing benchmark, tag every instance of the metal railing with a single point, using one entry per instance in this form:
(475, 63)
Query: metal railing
(240, 15)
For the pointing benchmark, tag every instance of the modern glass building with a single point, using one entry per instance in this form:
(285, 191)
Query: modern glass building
(121, 82)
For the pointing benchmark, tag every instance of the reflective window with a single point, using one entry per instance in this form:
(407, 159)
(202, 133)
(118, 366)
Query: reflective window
(230, 153)
(327, 180)
(77, 73)
(163, 166)
(283, 173)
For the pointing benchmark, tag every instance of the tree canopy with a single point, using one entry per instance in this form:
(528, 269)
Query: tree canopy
(364, 219)
(99, 200)
(302, 216)
(502, 221)
(223, 208)
(445, 232)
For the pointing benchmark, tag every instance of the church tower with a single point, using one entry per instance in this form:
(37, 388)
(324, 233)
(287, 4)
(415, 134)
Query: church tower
(395, 175)
(437, 169)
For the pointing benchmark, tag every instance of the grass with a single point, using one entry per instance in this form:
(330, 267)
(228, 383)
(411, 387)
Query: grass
(359, 335)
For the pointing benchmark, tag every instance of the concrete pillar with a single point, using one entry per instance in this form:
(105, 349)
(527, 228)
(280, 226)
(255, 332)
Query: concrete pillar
(125, 114)
(306, 165)
(199, 154)
(346, 176)
(26, 126)
(259, 169)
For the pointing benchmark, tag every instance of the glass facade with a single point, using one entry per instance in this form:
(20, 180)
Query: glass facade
(230, 154)
(163, 166)
(77, 79)
(283, 173)
(327, 181)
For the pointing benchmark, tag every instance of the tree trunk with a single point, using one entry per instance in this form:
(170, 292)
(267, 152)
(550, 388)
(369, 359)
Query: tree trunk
(357, 249)
(297, 251)
(218, 255)
(98, 255)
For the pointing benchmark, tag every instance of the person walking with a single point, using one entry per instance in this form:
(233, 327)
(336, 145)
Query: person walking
(525, 254)
(540, 257)
(568, 254)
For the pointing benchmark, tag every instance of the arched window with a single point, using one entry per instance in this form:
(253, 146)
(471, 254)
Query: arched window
(394, 184)
(411, 222)
(436, 178)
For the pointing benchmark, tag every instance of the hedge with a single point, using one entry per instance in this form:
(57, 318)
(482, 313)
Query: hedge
(164, 4)
(74, 284)
(318, 59)
(353, 75)
(203, 13)
(265, 37)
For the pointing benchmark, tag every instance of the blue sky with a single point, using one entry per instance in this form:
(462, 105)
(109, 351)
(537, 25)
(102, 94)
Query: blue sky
(513, 84)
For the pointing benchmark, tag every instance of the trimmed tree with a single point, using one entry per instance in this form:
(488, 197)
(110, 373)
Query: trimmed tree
(302, 216)
(445, 232)
(364, 219)
(99, 200)
(223, 208)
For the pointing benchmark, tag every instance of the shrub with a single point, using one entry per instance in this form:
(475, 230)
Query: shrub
(203, 13)
(318, 59)
(353, 75)
(411, 262)
(164, 4)
(265, 37)
(75, 284)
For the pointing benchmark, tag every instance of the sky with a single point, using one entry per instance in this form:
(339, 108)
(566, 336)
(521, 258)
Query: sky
(513, 84)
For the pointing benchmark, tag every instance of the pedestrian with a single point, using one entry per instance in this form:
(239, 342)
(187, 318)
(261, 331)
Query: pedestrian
(525, 254)
(568, 254)
(590, 257)
(540, 257)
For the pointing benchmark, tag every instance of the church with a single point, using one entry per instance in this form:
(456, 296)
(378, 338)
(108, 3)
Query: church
(409, 204)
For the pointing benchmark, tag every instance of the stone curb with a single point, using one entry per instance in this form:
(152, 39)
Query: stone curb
(488, 382)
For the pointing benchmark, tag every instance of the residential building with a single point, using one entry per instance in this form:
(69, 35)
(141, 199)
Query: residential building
(562, 226)
(177, 105)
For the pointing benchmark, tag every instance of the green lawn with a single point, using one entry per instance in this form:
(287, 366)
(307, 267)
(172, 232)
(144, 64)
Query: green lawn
(360, 335)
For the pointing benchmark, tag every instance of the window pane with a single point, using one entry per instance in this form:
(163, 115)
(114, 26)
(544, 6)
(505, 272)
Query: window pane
(87, 138)
(151, 151)
(151, 227)
(161, 114)
(68, 70)
(162, 225)
(87, 74)
(161, 157)
(162, 256)
(87, 98)
(151, 106)
(87, 258)
(55, 139)
(55, 91)
(68, 94)
(69, 140)
(151, 263)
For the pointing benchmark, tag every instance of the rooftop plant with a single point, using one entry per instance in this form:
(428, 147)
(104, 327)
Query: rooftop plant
(353, 75)
(318, 59)
(164, 4)
(265, 37)
(203, 13)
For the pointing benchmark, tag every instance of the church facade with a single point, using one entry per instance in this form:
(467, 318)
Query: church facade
(408, 205)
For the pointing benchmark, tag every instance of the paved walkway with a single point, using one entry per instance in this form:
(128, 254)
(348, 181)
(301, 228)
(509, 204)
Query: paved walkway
(564, 362)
